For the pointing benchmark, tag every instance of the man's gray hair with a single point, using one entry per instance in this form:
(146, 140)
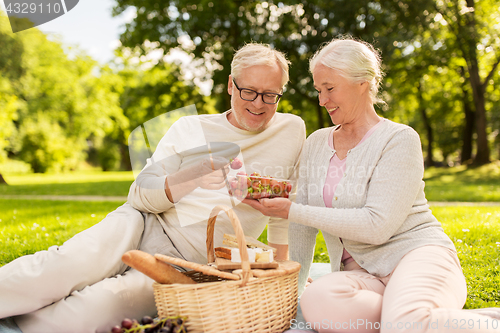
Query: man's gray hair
(253, 54)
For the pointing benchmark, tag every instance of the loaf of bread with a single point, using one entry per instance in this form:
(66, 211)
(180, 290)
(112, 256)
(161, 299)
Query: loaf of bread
(156, 269)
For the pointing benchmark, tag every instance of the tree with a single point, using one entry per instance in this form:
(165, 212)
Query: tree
(472, 24)
(10, 69)
(414, 37)
(143, 91)
(56, 102)
(212, 30)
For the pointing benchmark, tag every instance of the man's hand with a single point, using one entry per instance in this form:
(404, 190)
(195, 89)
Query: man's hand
(208, 174)
(211, 173)
(276, 207)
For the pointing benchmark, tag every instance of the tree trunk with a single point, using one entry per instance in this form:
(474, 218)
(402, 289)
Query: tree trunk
(468, 132)
(483, 150)
(466, 155)
(125, 163)
(2, 180)
(429, 159)
(470, 54)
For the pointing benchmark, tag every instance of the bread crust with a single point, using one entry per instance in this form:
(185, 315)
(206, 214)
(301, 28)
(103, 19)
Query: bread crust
(223, 252)
(156, 269)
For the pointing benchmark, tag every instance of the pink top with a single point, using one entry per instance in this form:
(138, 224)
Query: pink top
(334, 175)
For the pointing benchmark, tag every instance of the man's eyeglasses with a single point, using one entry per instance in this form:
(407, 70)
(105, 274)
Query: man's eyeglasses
(250, 95)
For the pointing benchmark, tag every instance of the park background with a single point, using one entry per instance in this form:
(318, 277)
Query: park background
(65, 117)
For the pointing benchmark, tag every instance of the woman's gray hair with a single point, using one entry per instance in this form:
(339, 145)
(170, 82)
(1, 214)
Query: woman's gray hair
(253, 54)
(356, 60)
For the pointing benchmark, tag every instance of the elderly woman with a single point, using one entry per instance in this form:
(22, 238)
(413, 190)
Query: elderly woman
(393, 267)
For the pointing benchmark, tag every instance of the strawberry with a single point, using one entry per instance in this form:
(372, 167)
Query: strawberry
(235, 163)
(265, 193)
(255, 176)
(288, 187)
(238, 193)
(276, 186)
(256, 195)
(256, 186)
(266, 181)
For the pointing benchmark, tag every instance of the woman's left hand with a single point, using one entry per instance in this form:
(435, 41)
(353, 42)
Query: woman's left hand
(276, 207)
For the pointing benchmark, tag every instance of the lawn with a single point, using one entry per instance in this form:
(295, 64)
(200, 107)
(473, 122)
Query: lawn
(27, 226)
(463, 184)
(76, 183)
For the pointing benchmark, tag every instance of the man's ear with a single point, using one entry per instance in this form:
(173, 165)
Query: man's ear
(230, 85)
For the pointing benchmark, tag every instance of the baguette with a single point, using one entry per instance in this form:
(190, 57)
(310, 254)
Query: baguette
(158, 270)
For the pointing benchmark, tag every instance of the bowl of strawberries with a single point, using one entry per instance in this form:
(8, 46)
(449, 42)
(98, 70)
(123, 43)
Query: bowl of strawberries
(255, 186)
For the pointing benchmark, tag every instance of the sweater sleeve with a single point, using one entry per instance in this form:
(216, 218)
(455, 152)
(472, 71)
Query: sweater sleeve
(390, 194)
(301, 238)
(147, 192)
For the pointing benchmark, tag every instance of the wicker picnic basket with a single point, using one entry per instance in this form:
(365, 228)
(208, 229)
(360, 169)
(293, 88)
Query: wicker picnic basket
(244, 300)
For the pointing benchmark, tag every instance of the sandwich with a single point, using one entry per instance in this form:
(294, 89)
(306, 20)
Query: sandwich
(232, 241)
(257, 251)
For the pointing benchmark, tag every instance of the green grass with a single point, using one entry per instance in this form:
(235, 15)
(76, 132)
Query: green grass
(463, 184)
(475, 231)
(27, 226)
(75, 183)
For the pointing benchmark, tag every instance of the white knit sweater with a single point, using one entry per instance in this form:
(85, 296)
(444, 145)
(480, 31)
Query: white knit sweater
(274, 151)
(379, 207)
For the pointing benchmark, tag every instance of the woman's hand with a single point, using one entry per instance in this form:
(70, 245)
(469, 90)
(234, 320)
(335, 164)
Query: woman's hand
(276, 207)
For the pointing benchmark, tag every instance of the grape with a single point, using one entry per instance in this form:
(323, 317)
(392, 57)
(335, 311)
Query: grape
(146, 320)
(116, 329)
(169, 325)
(150, 325)
(127, 323)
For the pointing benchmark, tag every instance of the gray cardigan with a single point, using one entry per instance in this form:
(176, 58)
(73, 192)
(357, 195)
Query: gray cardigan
(379, 207)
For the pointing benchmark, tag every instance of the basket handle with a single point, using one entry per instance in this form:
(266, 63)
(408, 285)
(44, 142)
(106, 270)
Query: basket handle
(240, 236)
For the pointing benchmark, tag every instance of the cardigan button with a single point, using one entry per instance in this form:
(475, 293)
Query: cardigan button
(335, 198)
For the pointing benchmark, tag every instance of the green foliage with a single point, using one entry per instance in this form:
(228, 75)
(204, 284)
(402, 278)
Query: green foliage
(428, 82)
(213, 30)
(53, 103)
(439, 56)
(58, 111)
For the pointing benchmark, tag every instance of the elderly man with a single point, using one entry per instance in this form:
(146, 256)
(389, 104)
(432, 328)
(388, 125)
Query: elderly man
(83, 286)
